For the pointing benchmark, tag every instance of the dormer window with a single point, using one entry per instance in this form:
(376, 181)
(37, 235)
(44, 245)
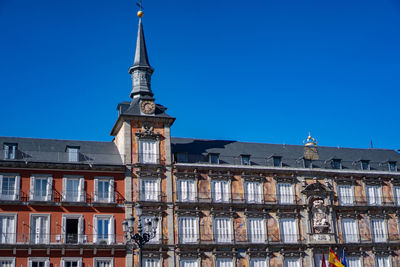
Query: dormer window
(336, 164)
(307, 163)
(365, 165)
(277, 161)
(213, 158)
(392, 166)
(73, 153)
(10, 151)
(245, 159)
(181, 157)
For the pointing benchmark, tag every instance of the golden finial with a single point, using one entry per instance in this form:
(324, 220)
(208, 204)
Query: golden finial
(140, 13)
(310, 141)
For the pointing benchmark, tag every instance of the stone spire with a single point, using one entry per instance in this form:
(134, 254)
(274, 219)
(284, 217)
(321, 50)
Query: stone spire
(141, 70)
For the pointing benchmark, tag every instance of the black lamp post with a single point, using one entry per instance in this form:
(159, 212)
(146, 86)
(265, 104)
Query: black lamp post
(144, 235)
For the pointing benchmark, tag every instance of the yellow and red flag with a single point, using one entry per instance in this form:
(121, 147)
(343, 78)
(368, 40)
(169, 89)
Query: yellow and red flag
(333, 260)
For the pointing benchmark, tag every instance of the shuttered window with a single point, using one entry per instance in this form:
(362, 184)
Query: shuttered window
(220, 191)
(256, 230)
(103, 262)
(378, 230)
(41, 188)
(253, 191)
(7, 262)
(350, 230)
(151, 262)
(318, 259)
(285, 193)
(189, 263)
(73, 189)
(188, 232)
(150, 190)
(39, 262)
(223, 230)
(382, 261)
(346, 196)
(104, 189)
(148, 151)
(9, 187)
(261, 262)
(104, 229)
(354, 262)
(292, 262)
(186, 190)
(224, 263)
(40, 229)
(396, 190)
(289, 230)
(374, 195)
(7, 229)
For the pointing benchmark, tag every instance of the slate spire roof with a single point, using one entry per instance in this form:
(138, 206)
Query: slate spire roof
(141, 57)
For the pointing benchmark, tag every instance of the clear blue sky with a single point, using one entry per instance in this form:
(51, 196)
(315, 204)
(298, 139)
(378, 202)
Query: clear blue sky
(257, 71)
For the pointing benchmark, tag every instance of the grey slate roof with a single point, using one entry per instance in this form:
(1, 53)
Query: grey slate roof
(292, 155)
(54, 151)
(133, 108)
(141, 57)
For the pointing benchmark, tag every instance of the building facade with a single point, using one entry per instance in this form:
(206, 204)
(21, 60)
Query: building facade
(218, 203)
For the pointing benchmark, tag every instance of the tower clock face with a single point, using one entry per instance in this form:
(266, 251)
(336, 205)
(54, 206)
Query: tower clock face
(148, 107)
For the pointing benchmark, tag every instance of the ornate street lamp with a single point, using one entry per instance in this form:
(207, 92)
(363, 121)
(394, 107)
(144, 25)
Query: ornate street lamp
(144, 235)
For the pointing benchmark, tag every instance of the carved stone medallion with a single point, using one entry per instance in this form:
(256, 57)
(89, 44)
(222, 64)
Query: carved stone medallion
(148, 107)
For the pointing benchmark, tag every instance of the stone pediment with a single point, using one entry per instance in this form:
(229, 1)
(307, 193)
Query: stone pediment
(316, 190)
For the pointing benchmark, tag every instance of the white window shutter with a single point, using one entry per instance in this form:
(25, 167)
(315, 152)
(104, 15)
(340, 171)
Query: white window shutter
(63, 229)
(32, 188)
(111, 232)
(1, 185)
(17, 187)
(64, 189)
(47, 263)
(96, 189)
(192, 191)
(81, 229)
(30, 263)
(80, 262)
(62, 263)
(95, 229)
(111, 191)
(81, 189)
(49, 188)
(226, 191)
(184, 189)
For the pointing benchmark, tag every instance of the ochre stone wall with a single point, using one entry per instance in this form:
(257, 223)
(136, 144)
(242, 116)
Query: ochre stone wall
(273, 228)
(239, 227)
(364, 228)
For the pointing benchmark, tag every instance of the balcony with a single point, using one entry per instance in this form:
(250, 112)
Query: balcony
(368, 201)
(152, 196)
(38, 239)
(236, 198)
(231, 239)
(149, 158)
(63, 157)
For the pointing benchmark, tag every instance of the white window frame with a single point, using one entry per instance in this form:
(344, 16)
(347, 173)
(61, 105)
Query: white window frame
(157, 263)
(230, 260)
(256, 237)
(286, 263)
(7, 154)
(81, 194)
(111, 229)
(383, 237)
(64, 259)
(293, 237)
(386, 258)
(346, 237)
(12, 259)
(36, 259)
(111, 189)
(396, 194)
(49, 187)
(186, 195)
(345, 200)
(47, 235)
(73, 153)
(354, 258)
(17, 186)
(148, 158)
(81, 227)
(224, 237)
(193, 261)
(96, 259)
(253, 259)
(157, 237)
(222, 196)
(254, 197)
(185, 238)
(13, 238)
(376, 200)
(144, 195)
(287, 199)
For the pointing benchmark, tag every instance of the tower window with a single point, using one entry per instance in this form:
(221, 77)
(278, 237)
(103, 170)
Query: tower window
(245, 159)
(181, 157)
(365, 165)
(10, 151)
(277, 161)
(336, 164)
(213, 158)
(307, 163)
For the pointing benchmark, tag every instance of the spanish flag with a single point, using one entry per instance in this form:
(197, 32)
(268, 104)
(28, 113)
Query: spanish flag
(333, 260)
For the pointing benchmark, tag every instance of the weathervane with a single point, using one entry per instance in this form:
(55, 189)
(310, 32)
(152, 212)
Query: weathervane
(140, 12)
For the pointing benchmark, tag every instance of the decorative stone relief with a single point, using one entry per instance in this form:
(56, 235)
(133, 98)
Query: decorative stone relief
(319, 217)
